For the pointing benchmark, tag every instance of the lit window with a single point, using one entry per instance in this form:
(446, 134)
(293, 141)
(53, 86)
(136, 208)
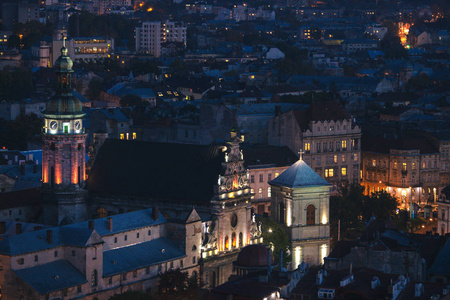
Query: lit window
(344, 144)
(122, 136)
(404, 166)
(335, 159)
(276, 175)
(344, 171)
(269, 192)
(134, 135)
(307, 147)
(128, 136)
(374, 163)
(329, 172)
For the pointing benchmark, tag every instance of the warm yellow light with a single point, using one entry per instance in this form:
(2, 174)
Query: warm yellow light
(149, 9)
(324, 219)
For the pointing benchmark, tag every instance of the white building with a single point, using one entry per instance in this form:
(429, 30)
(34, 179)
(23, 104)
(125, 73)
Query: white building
(376, 30)
(98, 258)
(85, 48)
(151, 35)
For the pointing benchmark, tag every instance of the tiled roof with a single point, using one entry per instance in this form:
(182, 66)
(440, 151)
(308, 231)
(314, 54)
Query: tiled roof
(37, 240)
(123, 222)
(52, 276)
(139, 256)
(299, 175)
(77, 234)
(441, 265)
(157, 170)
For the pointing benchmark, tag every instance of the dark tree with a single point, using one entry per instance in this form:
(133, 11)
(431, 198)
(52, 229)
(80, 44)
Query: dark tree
(94, 88)
(275, 237)
(23, 129)
(176, 285)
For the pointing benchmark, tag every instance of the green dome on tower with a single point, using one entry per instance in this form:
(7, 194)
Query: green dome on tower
(64, 103)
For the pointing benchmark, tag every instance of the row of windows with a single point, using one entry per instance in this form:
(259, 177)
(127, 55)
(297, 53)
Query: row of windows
(234, 241)
(127, 135)
(330, 172)
(21, 260)
(261, 177)
(125, 237)
(330, 146)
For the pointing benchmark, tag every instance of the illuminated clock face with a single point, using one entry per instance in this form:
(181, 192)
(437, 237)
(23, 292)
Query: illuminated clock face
(77, 125)
(53, 125)
(234, 220)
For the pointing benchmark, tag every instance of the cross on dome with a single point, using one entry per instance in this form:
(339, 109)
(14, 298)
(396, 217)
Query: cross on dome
(300, 154)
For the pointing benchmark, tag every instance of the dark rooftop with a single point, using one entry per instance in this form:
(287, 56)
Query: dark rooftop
(157, 170)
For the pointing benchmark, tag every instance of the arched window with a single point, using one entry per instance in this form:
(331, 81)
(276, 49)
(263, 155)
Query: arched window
(212, 280)
(227, 243)
(241, 240)
(94, 278)
(195, 277)
(101, 212)
(310, 215)
(194, 248)
(233, 240)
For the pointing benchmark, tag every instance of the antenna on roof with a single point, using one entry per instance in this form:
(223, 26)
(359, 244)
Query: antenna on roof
(300, 154)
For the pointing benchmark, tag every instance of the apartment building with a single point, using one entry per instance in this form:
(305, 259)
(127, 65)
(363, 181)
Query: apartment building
(151, 36)
(326, 136)
(407, 168)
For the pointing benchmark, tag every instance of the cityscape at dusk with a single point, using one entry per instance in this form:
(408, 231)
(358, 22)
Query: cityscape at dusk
(215, 149)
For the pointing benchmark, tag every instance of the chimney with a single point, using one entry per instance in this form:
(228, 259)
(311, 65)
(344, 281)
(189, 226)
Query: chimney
(91, 225)
(36, 228)
(155, 213)
(18, 228)
(109, 223)
(50, 236)
(277, 110)
(2, 227)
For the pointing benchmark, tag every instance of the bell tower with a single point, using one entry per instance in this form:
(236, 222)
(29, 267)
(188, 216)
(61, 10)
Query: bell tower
(63, 151)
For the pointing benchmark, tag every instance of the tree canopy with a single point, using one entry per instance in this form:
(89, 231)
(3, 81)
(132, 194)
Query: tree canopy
(275, 237)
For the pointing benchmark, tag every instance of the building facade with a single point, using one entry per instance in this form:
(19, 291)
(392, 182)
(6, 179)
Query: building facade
(99, 258)
(300, 201)
(151, 35)
(406, 168)
(85, 48)
(328, 137)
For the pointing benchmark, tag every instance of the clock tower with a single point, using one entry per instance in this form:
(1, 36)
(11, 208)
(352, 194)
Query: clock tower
(63, 151)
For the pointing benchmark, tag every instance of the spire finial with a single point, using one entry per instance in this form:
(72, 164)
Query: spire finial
(300, 154)
(64, 49)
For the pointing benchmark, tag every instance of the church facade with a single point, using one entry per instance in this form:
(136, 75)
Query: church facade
(129, 176)
(300, 202)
